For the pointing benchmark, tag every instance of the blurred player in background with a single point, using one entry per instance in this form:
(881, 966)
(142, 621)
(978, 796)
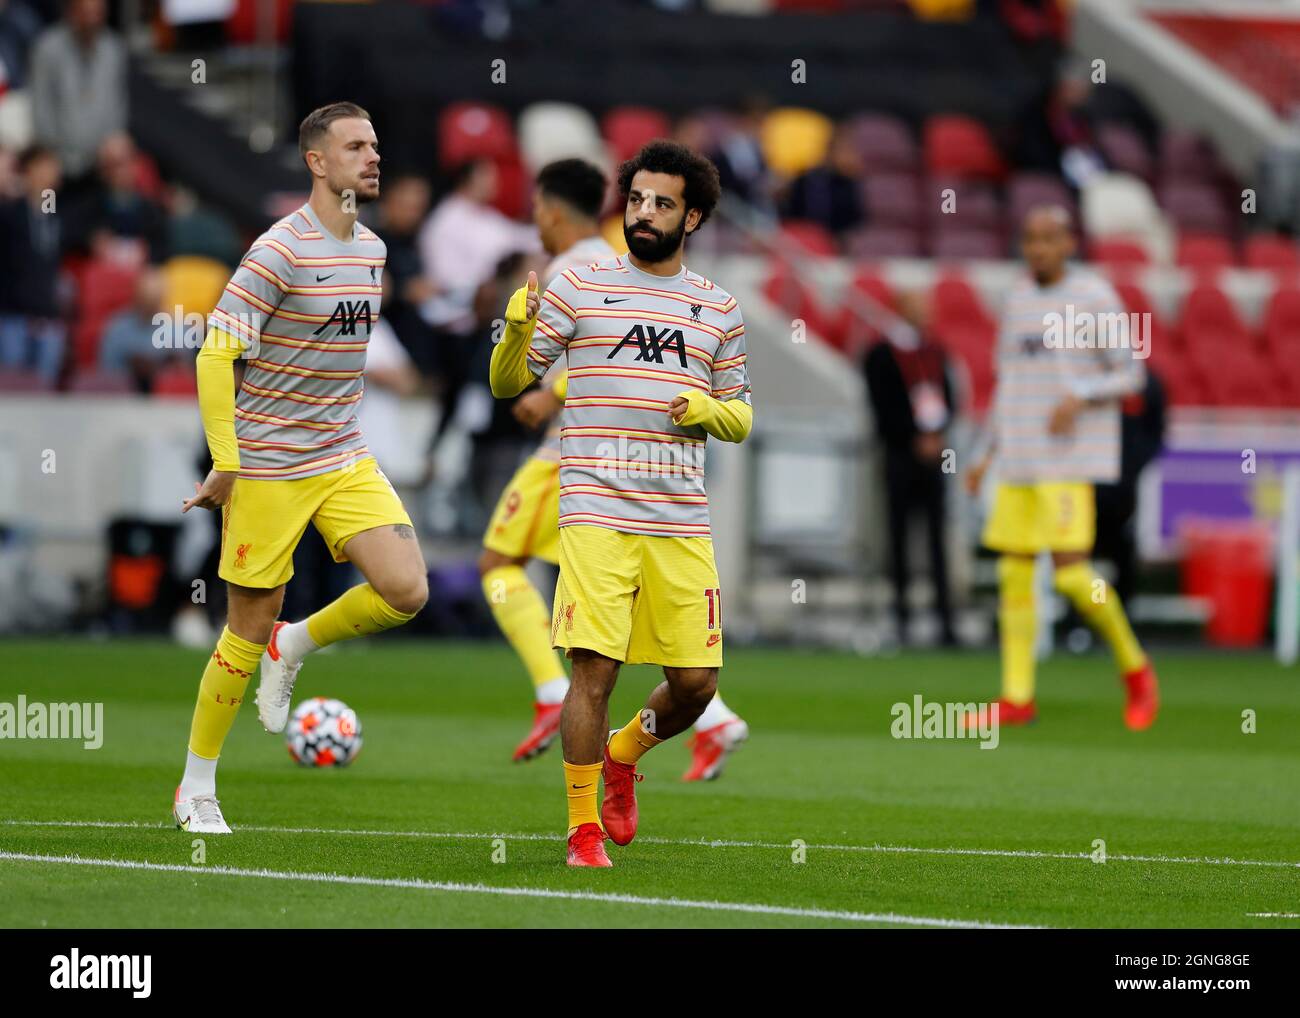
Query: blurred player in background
(300, 308)
(1056, 434)
(656, 363)
(525, 524)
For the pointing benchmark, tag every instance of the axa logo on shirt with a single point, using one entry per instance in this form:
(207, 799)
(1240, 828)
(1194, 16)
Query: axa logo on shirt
(653, 343)
(347, 314)
(73, 971)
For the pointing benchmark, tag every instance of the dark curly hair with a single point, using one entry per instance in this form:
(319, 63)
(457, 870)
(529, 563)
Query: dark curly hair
(702, 189)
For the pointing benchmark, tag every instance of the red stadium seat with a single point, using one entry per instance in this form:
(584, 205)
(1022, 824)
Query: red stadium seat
(1271, 251)
(875, 242)
(1136, 302)
(788, 292)
(1209, 321)
(892, 199)
(1117, 254)
(961, 146)
(104, 287)
(884, 142)
(808, 238)
(1204, 252)
(967, 245)
(954, 305)
(176, 381)
(1281, 326)
(854, 330)
(627, 128)
(470, 130)
(1241, 378)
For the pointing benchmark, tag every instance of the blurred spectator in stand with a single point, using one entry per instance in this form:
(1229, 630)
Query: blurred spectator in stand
(390, 376)
(742, 169)
(830, 194)
(78, 87)
(19, 27)
(403, 205)
(461, 245)
(1056, 132)
(128, 343)
(116, 219)
(33, 332)
(1041, 27)
(193, 229)
(911, 397)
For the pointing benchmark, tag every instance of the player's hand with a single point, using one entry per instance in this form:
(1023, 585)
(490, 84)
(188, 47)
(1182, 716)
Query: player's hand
(213, 493)
(524, 302)
(1063, 416)
(533, 409)
(975, 477)
(677, 409)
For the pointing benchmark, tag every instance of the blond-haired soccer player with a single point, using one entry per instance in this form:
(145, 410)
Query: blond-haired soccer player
(288, 451)
(656, 364)
(567, 200)
(1065, 358)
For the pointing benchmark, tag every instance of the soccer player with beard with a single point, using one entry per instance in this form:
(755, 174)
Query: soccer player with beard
(525, 524)
(288, 451)
(656, 364)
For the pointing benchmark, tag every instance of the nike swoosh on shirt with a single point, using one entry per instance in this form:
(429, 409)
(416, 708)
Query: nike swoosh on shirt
(321, 279)
(618, 301)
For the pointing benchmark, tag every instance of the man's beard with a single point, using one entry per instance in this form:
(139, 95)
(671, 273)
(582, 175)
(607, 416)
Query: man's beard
(656, 248)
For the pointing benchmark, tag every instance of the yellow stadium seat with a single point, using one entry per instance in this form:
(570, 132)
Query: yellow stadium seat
(795, 140)
(194, 283)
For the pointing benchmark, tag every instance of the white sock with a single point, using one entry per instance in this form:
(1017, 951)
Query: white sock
(552, 691)
(715, 713)
(200, 776)
(294, 642)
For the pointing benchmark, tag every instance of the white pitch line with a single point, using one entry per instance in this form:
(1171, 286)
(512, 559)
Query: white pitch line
(615, 898)
(1000, 853)
(1274, 915)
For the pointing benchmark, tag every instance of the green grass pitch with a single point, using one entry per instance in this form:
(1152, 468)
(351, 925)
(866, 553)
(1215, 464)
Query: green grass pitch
(1201, 822)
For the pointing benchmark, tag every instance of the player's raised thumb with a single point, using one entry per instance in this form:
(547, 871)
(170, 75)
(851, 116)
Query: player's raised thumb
(532, 282)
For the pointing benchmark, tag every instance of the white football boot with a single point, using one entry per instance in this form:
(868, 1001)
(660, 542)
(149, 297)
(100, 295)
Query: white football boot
(199, 814)
(275, 685)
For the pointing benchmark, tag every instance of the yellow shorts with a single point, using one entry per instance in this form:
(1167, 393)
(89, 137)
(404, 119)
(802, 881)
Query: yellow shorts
(638, 599)
(263, 522)
(526, 521)
(1046, 516)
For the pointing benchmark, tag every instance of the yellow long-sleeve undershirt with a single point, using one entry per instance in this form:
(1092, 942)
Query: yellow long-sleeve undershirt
(508, 373)
(216, 382)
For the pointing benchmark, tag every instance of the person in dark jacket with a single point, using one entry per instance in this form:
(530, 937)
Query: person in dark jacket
(912, 401)
(33, 333)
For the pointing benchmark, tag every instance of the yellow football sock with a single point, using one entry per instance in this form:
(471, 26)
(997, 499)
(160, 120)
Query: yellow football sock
(581, 782)
(1097, 602)
(358, 612)
(524, 620)
(1017, 627)
(631, 742)
(221, 692)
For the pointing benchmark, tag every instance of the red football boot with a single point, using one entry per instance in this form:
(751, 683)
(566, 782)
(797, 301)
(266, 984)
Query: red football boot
(1143, 698)
(1007, 713)
(587, 847)
(546, 726)
(618, 811)
(711, 747)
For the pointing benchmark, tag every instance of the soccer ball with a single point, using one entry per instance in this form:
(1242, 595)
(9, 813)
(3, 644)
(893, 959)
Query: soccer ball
(323, 733)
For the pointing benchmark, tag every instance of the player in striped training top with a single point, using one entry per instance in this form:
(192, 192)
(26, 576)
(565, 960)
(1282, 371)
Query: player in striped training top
(1066, 356)
(288, 451)
(567, 200)
(656, 363)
